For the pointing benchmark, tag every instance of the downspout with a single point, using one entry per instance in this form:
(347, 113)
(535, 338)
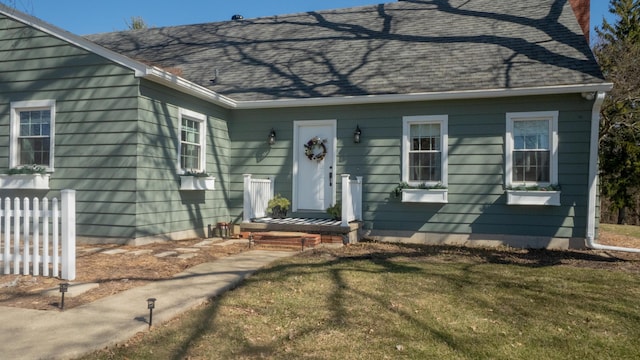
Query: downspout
(593, 181)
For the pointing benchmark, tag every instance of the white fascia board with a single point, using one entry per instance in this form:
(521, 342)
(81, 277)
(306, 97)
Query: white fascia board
(447, 95)
(165, 78)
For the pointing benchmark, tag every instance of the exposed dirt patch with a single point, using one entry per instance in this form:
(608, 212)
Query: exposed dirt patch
(118, 272)
(113, 273)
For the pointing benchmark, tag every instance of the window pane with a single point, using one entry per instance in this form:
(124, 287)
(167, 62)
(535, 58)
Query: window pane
(531, 134)
(34, 151)
(191, 146)
(425, 153)
(190, 158)
(35, 123)
(190, 131)
(425, 167)
(531, 166)
(425, 136)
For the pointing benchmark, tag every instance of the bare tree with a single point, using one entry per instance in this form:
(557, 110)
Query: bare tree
(136, 23)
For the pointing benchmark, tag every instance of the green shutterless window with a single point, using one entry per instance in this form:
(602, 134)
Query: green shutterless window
(425, 152)
(191, 146)
(531, 151)
(34, 139)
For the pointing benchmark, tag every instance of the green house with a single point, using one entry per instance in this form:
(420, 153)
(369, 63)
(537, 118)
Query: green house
(466, 122)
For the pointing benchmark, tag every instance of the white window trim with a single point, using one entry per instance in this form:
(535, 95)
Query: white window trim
(16, 107)
(202, 119)
(553, 131)
(443, 120)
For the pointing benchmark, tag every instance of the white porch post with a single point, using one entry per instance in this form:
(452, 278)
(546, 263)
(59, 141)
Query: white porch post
(358, 201)
(68, 229)
(347, 200)
(247, 212)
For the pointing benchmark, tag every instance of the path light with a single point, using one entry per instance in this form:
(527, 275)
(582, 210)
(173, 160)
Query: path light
(151, 303)
(272, 137)
(356, 135)
(64, 287)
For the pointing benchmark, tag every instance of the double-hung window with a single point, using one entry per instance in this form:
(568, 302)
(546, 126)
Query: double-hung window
(424, 150)
(32, 133)
(191, 153)
(532, 149)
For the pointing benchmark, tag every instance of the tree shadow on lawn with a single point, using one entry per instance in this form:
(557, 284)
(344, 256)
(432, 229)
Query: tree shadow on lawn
(382, 252)
(391, 258)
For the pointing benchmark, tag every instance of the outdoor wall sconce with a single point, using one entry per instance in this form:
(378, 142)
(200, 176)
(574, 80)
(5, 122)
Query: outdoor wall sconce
(356, 135)
(151, 303)
(64, 287)
(272, 137)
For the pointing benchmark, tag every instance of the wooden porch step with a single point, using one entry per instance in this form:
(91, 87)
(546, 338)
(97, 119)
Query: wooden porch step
(285, 239)
(331, 231)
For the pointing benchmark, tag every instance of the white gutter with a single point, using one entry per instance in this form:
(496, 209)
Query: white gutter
(163, 77)
(431, 96)
(593, 181)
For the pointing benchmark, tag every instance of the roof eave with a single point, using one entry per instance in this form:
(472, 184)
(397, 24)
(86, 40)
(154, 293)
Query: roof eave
(173, 81)
(427, 96)
(163, 77)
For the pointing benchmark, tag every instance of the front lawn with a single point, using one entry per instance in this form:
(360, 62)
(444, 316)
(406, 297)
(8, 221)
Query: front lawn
(382, 301)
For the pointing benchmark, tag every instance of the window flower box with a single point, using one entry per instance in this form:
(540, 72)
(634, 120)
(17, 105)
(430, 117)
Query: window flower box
(533, 197)
(189, 182)
(425, 195)
(25, 181)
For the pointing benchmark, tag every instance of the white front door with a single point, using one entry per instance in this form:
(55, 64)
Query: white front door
(314, 174)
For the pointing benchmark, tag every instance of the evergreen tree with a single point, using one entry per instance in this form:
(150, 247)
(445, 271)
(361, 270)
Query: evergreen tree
(618, 53)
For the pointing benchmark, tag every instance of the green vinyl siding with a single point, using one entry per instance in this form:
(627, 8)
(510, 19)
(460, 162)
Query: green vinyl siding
(115, 138)
(162, 207)
(477, 199)
(96, 111)
(116, 143)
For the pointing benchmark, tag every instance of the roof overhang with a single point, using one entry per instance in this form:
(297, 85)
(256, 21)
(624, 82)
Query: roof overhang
(427, 96)
(166, 78)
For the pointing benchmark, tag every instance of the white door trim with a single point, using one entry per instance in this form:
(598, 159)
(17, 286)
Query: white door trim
(298, 154)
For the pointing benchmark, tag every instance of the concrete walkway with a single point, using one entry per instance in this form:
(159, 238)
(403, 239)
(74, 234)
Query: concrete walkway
(37, 334)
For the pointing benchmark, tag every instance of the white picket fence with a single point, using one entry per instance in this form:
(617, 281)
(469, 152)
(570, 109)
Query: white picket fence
(39, 238)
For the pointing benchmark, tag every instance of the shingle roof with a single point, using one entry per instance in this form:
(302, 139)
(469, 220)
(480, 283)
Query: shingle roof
(404, 47)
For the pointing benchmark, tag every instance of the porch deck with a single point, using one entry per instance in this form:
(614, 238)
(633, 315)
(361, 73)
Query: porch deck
(330, 230)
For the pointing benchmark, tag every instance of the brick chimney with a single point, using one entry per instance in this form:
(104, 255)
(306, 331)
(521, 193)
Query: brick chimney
(582, 9)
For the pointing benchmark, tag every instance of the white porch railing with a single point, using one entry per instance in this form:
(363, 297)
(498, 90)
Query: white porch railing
(257, 193)
(45, 237)
(351, 199)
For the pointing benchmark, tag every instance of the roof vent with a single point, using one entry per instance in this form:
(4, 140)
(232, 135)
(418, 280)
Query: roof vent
(237, 17)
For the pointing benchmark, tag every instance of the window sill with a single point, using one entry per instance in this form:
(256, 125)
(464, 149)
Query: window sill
(425, 195)
(25, 181)
(533, 197)
(197, 183)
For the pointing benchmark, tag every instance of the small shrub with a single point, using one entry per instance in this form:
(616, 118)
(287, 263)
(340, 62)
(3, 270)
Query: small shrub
(335, 211)
(27, 169)
(278, 206)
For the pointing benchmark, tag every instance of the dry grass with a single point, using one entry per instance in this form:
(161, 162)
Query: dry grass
(390, 301)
